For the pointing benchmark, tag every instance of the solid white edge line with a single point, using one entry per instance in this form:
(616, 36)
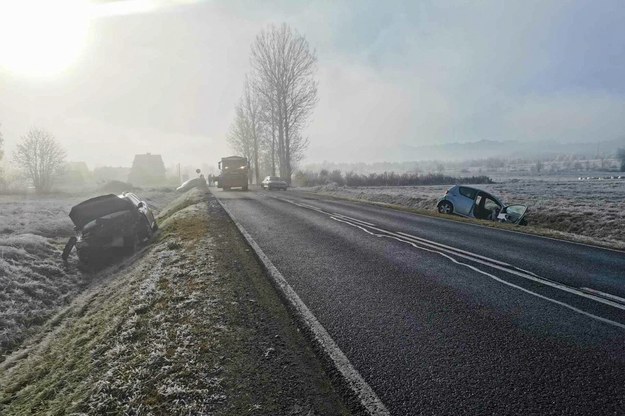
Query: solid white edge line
(398, 209)
(498, 279)
(352, 379)
(487, 261)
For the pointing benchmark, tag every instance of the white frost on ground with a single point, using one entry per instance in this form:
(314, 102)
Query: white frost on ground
(588, 208)
(34, 281)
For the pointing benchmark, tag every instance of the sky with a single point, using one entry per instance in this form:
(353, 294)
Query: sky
(164, 76)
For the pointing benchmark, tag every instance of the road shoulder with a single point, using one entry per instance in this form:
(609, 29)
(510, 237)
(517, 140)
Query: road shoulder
(192, 327)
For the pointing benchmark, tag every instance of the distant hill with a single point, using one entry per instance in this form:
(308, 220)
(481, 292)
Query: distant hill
(505, 149)
(484, 149)
(406, 158)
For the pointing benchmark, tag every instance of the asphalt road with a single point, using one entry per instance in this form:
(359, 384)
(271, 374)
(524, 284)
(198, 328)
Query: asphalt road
(441, 317)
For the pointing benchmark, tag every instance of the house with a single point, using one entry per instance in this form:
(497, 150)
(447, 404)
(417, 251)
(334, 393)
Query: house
(147, 170)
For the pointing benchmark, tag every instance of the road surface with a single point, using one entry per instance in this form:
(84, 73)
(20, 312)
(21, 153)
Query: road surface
(441, 317)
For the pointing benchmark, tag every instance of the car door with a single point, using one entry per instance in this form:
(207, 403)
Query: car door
(513, 214)
(463, 205)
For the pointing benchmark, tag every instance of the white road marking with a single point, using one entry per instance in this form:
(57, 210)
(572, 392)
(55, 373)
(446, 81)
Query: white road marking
(604, 294)
(557, 302)
(448, 251)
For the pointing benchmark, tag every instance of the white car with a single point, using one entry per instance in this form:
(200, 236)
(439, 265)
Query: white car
(475, 203)
(274, 182)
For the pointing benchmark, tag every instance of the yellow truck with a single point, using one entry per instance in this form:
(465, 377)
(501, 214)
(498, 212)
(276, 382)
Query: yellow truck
(234, 173)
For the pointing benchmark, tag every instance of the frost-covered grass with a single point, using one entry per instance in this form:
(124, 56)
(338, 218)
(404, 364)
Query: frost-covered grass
(34, 281)
(593, 210)
(192, 327)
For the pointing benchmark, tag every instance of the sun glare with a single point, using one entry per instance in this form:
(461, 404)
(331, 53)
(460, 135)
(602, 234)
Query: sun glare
(42, 37)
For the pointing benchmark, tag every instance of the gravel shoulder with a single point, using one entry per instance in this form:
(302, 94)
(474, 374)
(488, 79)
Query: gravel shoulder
(190, 325)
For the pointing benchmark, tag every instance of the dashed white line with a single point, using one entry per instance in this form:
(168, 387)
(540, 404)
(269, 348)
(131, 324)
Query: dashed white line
(448, 252)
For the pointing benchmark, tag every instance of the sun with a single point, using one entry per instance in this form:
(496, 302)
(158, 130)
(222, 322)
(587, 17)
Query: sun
(42, 37)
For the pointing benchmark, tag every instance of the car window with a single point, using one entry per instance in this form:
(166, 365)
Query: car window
(468, 192)
(490, 204)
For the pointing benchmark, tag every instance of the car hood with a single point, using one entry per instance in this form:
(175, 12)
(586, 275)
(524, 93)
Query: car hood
(97, 207)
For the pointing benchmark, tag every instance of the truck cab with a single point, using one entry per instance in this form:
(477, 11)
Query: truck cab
(234, 173)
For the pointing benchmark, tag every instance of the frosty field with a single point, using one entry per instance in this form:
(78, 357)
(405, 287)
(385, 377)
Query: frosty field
(590, 211)
(34, 281)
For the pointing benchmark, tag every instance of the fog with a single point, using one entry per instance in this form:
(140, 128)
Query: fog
(165, 78)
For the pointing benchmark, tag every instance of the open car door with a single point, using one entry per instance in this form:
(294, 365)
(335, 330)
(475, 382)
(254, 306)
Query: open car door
(512, 214)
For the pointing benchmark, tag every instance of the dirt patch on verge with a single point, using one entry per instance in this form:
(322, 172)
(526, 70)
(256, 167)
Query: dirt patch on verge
(192, 327)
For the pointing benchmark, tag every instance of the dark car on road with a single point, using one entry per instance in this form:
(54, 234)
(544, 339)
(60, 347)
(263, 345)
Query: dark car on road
(274, 182)
(108, 225)
(476, 203)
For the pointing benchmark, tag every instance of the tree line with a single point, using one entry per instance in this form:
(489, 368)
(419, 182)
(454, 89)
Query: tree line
(325, 177)
(279, 95)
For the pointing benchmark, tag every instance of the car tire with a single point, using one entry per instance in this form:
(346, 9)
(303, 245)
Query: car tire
(445, 207)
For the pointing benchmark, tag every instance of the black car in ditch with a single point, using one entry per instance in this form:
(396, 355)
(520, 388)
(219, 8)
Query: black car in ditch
(108, 225)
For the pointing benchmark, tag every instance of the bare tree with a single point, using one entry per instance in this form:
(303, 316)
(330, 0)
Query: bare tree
(239, 136)
(284, 69)
(252, 111)
(40, 157)
(246, 132)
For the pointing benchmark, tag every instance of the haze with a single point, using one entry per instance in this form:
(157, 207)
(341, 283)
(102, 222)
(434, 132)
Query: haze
(164, 77)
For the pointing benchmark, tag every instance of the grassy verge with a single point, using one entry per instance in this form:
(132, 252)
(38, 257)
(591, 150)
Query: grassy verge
(193, 326)
(530, 229)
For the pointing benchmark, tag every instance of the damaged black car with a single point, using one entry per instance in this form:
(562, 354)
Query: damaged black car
(109, 225)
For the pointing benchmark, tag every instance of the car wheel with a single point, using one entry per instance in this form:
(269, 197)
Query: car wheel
(446, 207)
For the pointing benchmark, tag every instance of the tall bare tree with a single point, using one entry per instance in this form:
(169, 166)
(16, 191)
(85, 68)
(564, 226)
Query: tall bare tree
(252, 111)
(40, 157)
(239, 135)
(247, 128)
(284, 69)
